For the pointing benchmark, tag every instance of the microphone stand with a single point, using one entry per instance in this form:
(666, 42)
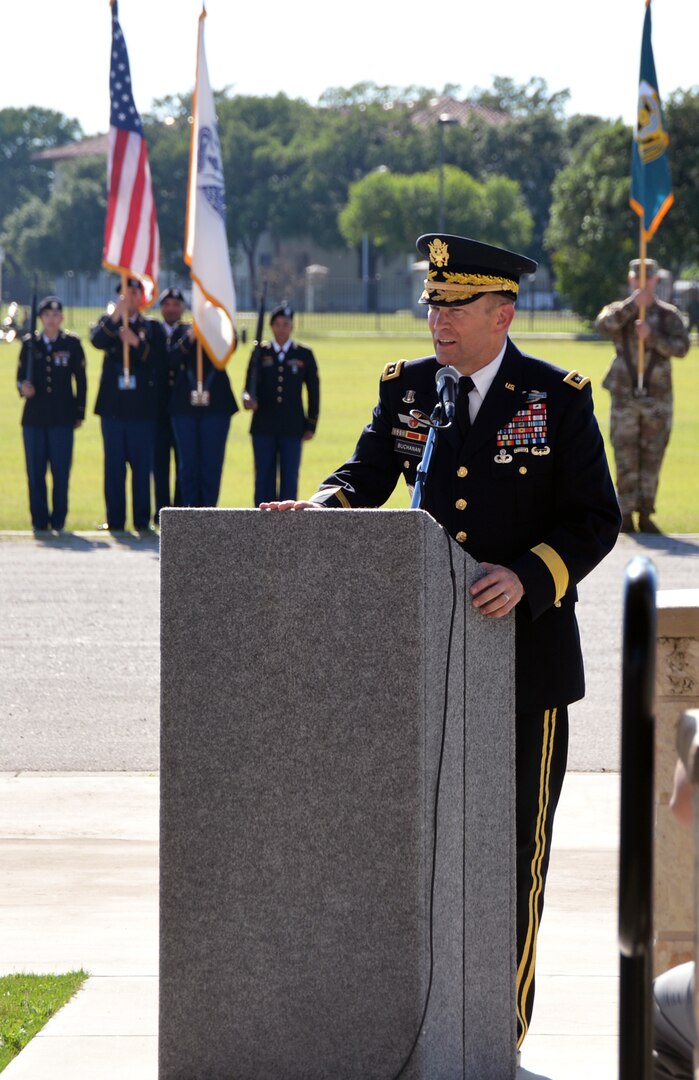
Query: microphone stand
(435, 424)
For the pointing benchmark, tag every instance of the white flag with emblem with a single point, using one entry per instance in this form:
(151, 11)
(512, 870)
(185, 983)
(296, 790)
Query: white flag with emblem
(206, 243)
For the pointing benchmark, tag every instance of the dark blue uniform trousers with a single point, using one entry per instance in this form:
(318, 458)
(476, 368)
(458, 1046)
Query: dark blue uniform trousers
(127, 442)
(541, 754)
(164, 446)
(201, 448)
(44, 446)
(274, 453)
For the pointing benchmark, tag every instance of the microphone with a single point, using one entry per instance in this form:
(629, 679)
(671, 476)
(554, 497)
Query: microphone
(447, 380)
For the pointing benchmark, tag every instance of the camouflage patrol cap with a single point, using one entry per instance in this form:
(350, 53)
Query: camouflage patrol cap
(50, 303)
(461, 270)
(652, 267)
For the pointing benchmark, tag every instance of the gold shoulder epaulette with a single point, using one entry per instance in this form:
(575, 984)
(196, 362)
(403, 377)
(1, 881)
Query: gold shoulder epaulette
(392, 371)
(574, 378)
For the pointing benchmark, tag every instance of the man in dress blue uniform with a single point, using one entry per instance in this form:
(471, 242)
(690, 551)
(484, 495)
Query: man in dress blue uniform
(277, 374)
(127, 407)
(51, 379)
(200, 421)
(521, 482)
(172, 304)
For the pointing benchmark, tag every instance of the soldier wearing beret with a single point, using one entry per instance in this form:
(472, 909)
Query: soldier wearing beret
(278, 372)
(200, 422)
(172, 304)
(520, 481)
(127, 407)
(641, 418)
(51, 379)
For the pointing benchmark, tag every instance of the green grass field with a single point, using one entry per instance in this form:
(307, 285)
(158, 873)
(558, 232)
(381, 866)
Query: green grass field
(350, 367)
(27, 1002)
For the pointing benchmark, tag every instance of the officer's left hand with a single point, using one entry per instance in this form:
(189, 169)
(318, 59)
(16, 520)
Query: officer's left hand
(307, 436)
(497, 592)
(77, 424)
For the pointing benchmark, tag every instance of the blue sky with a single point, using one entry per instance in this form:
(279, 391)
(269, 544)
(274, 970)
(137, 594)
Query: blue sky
(58, 54)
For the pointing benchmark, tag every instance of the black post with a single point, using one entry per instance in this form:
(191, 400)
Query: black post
(636, 840)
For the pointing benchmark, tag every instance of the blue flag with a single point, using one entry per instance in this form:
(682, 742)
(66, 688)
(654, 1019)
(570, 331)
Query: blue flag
(651, 187)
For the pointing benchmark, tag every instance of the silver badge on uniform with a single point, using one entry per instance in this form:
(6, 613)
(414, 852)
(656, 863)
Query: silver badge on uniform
(409, 397)
(541, 451)
(502, 458)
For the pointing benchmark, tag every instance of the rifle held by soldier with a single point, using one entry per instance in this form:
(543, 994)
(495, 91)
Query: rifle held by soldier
(31, 341)
(250, 392)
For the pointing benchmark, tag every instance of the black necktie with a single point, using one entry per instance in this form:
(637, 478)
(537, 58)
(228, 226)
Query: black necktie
(463, 418)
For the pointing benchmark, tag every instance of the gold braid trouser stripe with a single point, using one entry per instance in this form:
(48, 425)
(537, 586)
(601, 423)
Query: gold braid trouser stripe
(527, 964)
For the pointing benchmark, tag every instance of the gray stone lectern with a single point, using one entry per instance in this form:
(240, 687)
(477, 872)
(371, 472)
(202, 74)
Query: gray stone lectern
(337, 807)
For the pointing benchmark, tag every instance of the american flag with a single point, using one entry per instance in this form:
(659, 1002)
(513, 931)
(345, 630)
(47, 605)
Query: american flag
(131, 237)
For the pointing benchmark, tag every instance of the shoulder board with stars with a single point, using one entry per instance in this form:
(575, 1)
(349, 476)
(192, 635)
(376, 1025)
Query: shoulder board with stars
(574, 378)
(392, 371)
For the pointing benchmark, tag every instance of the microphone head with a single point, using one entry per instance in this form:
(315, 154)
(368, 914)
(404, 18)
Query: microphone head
(446, 373)
(447, 380)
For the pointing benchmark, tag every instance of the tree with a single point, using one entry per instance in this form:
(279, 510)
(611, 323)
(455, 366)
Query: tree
(392, 210)
(677, 240)
(65, 231)
(167, 130)
(518, 100)
(591, 234)
(259, 165)
(23, 132)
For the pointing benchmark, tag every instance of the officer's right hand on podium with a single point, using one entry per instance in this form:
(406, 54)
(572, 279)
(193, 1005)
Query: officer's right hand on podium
(289, 504)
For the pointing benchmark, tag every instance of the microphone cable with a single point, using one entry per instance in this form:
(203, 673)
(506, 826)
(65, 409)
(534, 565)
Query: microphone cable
(438, 784)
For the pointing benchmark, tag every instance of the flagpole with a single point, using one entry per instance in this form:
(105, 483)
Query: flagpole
(643, 247)
(651, 188)
(125, 325)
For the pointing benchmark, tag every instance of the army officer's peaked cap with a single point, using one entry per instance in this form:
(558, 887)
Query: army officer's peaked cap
(460, 270)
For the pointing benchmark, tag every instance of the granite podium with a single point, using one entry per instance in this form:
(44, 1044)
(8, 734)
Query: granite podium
(337, 802)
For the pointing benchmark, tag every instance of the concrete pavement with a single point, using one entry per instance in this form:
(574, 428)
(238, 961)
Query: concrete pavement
(79, 646)
(79, 808)
(81, 851)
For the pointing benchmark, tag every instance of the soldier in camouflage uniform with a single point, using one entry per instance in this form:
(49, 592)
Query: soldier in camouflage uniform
(641, 420)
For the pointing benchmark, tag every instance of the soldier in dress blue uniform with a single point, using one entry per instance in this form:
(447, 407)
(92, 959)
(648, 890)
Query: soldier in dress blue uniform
(521, 482)
(200, 422)
(277, 374)
(128, 408)
(172, 305)
(51, 379)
